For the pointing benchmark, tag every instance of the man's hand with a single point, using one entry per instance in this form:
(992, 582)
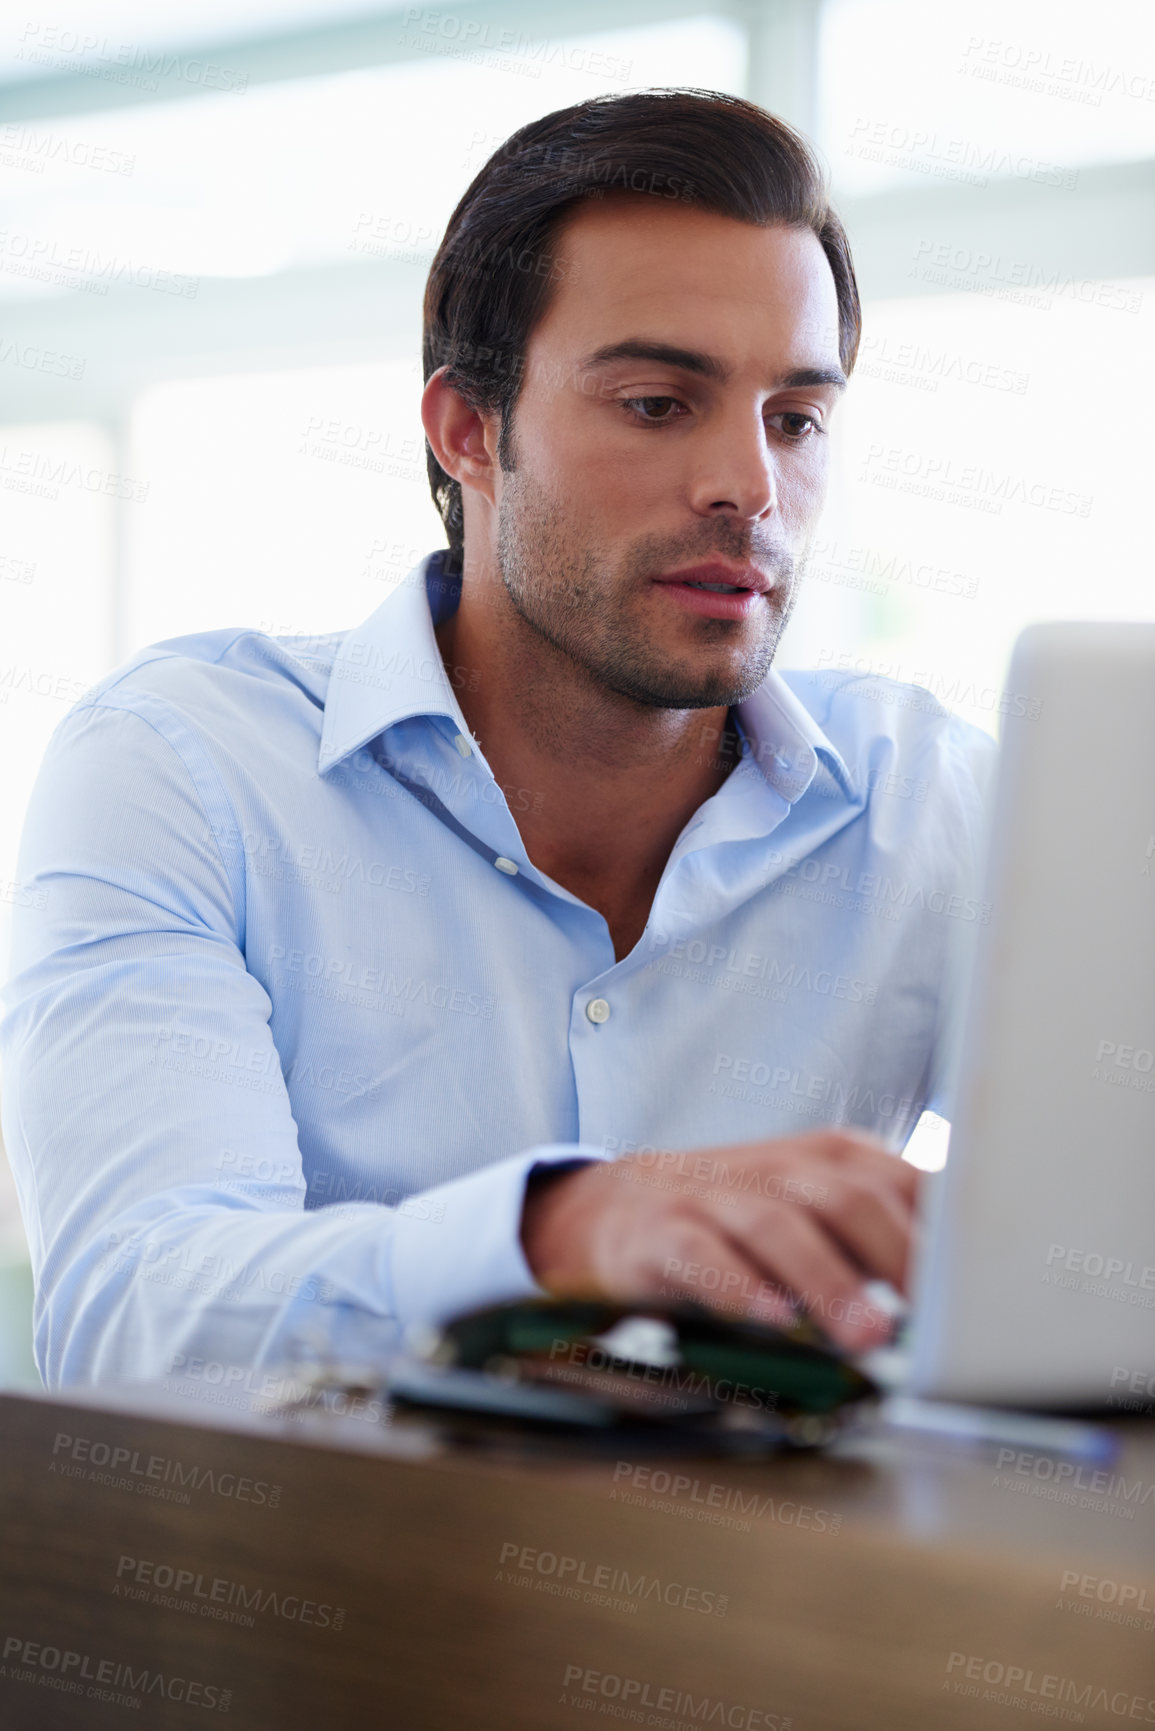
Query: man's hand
(749, 1229)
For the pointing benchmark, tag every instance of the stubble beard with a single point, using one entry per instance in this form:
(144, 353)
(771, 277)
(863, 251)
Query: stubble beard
(556, 584)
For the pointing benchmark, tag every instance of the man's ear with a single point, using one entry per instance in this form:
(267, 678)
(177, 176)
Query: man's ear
(463, 439)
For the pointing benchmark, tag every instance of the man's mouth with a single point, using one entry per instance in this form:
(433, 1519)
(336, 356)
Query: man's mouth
(716, 589)
(719, 576)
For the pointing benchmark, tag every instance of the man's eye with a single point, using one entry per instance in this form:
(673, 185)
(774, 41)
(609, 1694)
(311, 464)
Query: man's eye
(797, 427)
(646, 419)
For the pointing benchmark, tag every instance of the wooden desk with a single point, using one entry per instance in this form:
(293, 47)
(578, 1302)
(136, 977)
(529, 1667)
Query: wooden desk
(865, 1589)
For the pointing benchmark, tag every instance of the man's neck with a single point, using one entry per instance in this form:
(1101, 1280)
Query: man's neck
(600, 786)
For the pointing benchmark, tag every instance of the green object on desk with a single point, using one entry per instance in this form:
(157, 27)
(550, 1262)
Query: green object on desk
(671, 1364)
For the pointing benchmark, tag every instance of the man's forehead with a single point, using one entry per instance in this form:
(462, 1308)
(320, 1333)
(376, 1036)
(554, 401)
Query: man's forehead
(710, 364)
(692, 280)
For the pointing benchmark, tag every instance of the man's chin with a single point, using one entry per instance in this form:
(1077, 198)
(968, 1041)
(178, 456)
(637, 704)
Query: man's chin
(661, 690)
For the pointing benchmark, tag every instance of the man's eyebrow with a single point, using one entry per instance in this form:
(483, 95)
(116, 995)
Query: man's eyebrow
(705, 365)
(803, 376)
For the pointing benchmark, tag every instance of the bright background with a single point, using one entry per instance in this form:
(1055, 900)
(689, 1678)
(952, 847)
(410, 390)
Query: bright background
(291, 164)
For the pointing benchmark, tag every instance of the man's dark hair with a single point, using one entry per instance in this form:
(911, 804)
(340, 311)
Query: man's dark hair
(491, 281)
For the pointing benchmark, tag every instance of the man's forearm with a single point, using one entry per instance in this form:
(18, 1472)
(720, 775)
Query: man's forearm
(273, 1291)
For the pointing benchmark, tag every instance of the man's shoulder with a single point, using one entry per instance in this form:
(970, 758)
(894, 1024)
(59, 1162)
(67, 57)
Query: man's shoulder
(867, 715)
(210, 673)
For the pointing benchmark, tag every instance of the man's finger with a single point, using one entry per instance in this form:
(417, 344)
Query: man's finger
(794, 1249)
(868, 1154)
(872, 1223)
(771, 1165)
(701, 1263)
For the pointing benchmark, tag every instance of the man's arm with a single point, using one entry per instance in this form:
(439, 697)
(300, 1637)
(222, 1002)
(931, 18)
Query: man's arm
(145, 1111)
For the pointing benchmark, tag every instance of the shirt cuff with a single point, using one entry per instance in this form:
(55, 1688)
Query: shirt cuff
(457, 1247)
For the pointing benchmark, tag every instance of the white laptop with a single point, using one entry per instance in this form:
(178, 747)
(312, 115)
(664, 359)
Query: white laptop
(1036, 1280)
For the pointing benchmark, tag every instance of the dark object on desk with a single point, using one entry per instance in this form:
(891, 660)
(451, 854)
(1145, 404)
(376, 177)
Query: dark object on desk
(599, 1365)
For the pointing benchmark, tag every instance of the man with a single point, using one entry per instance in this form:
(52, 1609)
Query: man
(537, 934)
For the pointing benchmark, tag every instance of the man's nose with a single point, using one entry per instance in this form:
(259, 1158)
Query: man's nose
(737, 472)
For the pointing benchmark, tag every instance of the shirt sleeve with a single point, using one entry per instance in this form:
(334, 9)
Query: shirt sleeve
(162, 1191)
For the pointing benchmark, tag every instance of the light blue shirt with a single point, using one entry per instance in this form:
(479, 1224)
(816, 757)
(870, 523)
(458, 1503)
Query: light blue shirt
(292, 1014)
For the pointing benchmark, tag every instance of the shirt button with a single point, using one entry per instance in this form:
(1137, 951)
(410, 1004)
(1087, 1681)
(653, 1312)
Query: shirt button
(463, 745)
(505, 865)
(598, 1010)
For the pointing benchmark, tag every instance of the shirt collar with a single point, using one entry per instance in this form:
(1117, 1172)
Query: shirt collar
(786, 742)
(389, 668)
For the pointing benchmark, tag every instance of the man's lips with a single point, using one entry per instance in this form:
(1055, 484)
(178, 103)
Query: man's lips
(720, 572)
(717, 588)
